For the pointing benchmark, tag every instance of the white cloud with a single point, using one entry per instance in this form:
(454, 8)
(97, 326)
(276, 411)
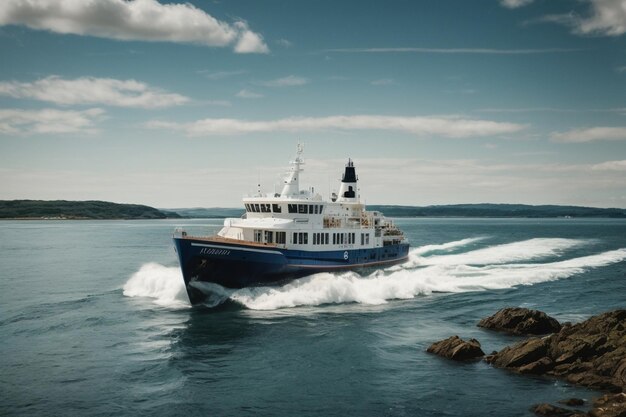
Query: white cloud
(90, 90)
(248, 94)
(590, 134)
(19, 121)
(289, 81)
(514, 4)
(284, 43)
(448, 126)
(220, 75)
(610, 166)
(249, 42)
(144, 20)
(606, 18)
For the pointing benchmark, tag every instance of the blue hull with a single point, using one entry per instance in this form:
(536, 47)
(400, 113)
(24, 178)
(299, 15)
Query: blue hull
(234, 265)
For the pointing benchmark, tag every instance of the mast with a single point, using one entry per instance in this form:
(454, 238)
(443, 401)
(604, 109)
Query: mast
(291, 185)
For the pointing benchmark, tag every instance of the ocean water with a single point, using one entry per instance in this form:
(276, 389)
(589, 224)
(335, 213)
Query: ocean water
(94, 321)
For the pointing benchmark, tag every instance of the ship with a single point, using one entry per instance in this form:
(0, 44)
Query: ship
(289, 235)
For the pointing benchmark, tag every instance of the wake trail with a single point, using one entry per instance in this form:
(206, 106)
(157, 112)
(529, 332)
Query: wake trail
(491, 268)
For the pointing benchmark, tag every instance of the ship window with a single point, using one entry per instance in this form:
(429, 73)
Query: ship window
(315, 208)
(321, 209)
(327, 238)
(302, 208)
(269, 236)
(257, 236)
(334, 238)
(256, 208)
(265, 208)
(341, 238)
(276, 208)
(311, 209)
(295, 238)
(292, 208)
(281, 237)
(367, 239)
(306, 238)
(353, 239)
(362, 239)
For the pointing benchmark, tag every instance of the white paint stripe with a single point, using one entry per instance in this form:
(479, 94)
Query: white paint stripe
(348, 266)
(236, 248)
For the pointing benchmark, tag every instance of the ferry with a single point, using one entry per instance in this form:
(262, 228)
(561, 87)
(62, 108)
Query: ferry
(289, 235)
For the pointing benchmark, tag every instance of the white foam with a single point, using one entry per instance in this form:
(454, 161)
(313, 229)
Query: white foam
(408, 283)
(510, 252)
(491, 268)
(164, 284)
(422, 250)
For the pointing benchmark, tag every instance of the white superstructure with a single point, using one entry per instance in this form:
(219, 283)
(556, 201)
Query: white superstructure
(301, 220)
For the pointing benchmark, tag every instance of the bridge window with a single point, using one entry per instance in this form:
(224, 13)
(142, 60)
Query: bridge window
(276, 208)
(321, 209)
(311, 209)
(292, 208)
(256, 208)
(302, 209)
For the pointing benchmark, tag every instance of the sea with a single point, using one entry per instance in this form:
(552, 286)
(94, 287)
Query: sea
(94, 321)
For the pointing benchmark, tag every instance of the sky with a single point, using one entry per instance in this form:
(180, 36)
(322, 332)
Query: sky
(193, 104)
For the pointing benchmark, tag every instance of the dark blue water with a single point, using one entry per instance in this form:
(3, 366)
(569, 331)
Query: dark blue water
(93, 322)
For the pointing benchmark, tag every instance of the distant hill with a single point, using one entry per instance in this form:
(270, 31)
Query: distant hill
(62, 209)
(456, 210)
(498, 210)
(208, 213)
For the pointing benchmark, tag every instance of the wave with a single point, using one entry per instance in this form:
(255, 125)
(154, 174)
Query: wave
(492, 268)
(163, 284)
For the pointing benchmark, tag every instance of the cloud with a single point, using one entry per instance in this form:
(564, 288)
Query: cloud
(248, 94)
(143, 20)
(284, 43)
(479, 51)
(606, 18)
(220, 75)
(18, 121)
(90, 90)
(448, 126)
(514, 4)
(610, 166)
(590, 134)
(289, 81)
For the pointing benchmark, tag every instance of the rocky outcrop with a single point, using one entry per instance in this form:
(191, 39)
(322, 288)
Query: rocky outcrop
(457, 349)
(610, 405)
(550, 410)
(591, 353)
(521, 321)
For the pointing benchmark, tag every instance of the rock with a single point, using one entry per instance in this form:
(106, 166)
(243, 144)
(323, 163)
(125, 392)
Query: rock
(551, 410)
(591, 353)
(457, 349)
(521, 354)
(539, 367)
(610, 405)
(521, 321)
(576, 402)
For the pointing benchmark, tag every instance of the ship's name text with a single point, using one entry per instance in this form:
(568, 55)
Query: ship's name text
(212, 251)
